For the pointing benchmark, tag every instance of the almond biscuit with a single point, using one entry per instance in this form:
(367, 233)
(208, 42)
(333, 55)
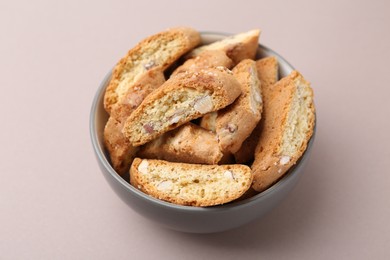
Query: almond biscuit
(190, 184)
(288, 126)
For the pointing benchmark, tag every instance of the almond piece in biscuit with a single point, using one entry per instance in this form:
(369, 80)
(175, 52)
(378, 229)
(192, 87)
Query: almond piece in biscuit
(288, 126)
(267, 70)
(190, 184)
(209, 121)
(237, 47)
(158, 51)
(188, 143)
(180, 99)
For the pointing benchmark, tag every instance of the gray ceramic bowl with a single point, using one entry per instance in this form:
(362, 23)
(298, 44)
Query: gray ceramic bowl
(185, 218)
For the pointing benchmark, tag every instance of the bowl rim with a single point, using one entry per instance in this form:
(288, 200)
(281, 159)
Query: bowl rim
(236, 205)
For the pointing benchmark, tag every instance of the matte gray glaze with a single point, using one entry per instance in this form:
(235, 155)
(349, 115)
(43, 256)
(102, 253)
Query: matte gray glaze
(185, 218)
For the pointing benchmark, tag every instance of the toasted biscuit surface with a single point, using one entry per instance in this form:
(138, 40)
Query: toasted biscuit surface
(190, 184)
(267, 70)
(119, 148)
(287, 128)
(237, 121)
(121, 151)
(206, 59)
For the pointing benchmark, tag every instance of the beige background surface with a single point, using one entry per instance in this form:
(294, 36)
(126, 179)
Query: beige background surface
(55, 203)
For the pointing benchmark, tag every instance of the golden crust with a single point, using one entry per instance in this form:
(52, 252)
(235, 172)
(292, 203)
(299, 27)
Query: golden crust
(267, 70)
(146, 74)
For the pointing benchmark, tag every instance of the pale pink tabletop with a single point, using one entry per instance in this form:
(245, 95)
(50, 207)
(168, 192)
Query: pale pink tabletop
(55, 203)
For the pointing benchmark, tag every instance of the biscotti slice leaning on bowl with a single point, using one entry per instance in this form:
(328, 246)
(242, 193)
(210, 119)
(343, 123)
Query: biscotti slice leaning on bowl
(206, 59)
(188, 143)
(119, 148)
(288, 127)
(190, 184)
(180, 99)
(237, 47)
(158, 51)
(267, 70)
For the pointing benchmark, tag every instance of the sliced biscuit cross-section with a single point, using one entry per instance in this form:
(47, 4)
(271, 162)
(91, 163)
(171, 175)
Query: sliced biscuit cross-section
(190, 184)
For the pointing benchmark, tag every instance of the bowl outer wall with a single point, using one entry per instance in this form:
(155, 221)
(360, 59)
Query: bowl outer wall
(185, 218)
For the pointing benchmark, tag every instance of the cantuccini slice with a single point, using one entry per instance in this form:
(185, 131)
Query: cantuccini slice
(237, 47)
(267, 70)
(190, 184)
(288, 126)
(237, 121)
(180, 99)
